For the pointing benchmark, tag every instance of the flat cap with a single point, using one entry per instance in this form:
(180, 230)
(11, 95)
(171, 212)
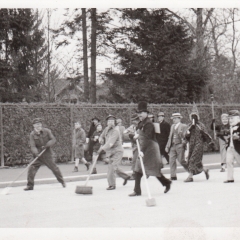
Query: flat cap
(233, 113)
(176, 115)
(36, 120)
(110, 117)
(161, 114)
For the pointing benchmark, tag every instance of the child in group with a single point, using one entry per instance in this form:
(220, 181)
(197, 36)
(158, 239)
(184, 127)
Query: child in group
(79, 138)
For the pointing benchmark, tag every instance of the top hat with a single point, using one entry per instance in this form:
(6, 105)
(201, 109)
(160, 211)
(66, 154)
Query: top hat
(142, 107)
(176, 115)
(161, 114)
(110, 117)
(233, 113)
(37, 120)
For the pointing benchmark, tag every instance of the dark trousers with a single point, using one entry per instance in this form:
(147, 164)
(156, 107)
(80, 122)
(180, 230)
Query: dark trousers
(163, 152)
(138, 176)
(50, 164)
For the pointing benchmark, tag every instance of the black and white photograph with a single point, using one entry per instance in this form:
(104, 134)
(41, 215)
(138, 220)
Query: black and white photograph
(119, 120)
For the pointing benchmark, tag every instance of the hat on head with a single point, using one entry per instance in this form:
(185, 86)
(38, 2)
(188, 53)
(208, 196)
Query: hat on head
(134, 117)
(95, 118)
(233, 113)
(176, 115)
(150, 115)
(142, 107)
(37, 120)
(110, 117)
(161, 114)
(194, 111)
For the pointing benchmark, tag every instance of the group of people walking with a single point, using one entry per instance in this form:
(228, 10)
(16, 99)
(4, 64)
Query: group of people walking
(179, 142)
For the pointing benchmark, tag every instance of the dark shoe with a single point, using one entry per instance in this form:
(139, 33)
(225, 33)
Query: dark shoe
(87, 165)
(173, 178)
(229, 181)
(189, 180)
(64, 184)
(168, 186)
(207, 174)
(28, 188)
(125, 180)
(134, 194)
(222, 170)
(111, 188)
(75, 169)
(94, 171)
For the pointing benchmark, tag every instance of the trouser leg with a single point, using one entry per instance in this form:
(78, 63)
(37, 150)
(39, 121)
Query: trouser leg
(111, 176)
(181, 156)
(32, 172)
(163, 180)
(137, 187)
(55, 169)
(230, 159)
(172, 161)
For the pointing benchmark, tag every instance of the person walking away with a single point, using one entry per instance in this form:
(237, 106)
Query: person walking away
(176, 145)
(42, 138)
(222, 134)
(162, 137)
(149, 152)
(79, 138)
(111, 137)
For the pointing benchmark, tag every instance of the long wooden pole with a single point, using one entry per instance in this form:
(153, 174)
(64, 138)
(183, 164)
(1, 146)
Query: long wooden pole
(214, 130)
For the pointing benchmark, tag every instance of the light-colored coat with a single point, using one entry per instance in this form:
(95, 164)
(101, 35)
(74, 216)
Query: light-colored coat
(181, 133)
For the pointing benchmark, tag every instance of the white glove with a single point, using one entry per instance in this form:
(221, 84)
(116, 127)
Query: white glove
(141, 154)
(136, 136)
(87, 140)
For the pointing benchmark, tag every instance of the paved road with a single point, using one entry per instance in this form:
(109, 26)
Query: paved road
(200, 206)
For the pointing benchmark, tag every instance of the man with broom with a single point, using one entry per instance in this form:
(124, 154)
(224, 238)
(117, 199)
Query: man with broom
(40, 139)
(112, 145)
(150, 153)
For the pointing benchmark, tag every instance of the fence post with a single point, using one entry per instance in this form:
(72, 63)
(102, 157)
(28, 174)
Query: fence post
(72, 135)
(1, 124)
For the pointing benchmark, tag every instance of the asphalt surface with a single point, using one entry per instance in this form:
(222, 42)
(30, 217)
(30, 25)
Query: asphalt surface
(203, 209)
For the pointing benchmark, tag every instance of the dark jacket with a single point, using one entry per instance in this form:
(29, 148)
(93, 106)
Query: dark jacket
(91, 130)
(162, 137)
(221, 130)
(96, 144)
(152, 159)
(236, 143)
(44, 139)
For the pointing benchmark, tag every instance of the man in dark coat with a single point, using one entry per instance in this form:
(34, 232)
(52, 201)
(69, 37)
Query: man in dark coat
(149, 152)
(162, 137)
(233, 144)
(40, 139)
(93, 128)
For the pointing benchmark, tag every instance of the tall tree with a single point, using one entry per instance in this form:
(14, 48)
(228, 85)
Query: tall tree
(93, 55)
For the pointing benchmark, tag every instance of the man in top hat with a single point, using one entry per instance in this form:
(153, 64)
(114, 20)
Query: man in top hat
(176, 144)
(93, 128)
(233, 144)
(196, 134)
(222, 131)
(42, 139)
(162, 137)
(150, 153)
(112, 145)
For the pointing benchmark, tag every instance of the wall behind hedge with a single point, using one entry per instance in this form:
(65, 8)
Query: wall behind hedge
(17, 123)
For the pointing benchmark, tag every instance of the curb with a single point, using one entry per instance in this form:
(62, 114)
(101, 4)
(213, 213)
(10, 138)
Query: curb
(93, 177)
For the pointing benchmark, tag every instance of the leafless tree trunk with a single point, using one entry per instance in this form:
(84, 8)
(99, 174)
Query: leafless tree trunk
(93, 55)
(85, 55)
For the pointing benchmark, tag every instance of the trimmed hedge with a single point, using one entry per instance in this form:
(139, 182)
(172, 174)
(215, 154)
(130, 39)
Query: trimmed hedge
(17, 123)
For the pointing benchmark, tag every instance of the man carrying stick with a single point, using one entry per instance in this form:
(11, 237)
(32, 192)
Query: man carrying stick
(40, 139)
(152, 160)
